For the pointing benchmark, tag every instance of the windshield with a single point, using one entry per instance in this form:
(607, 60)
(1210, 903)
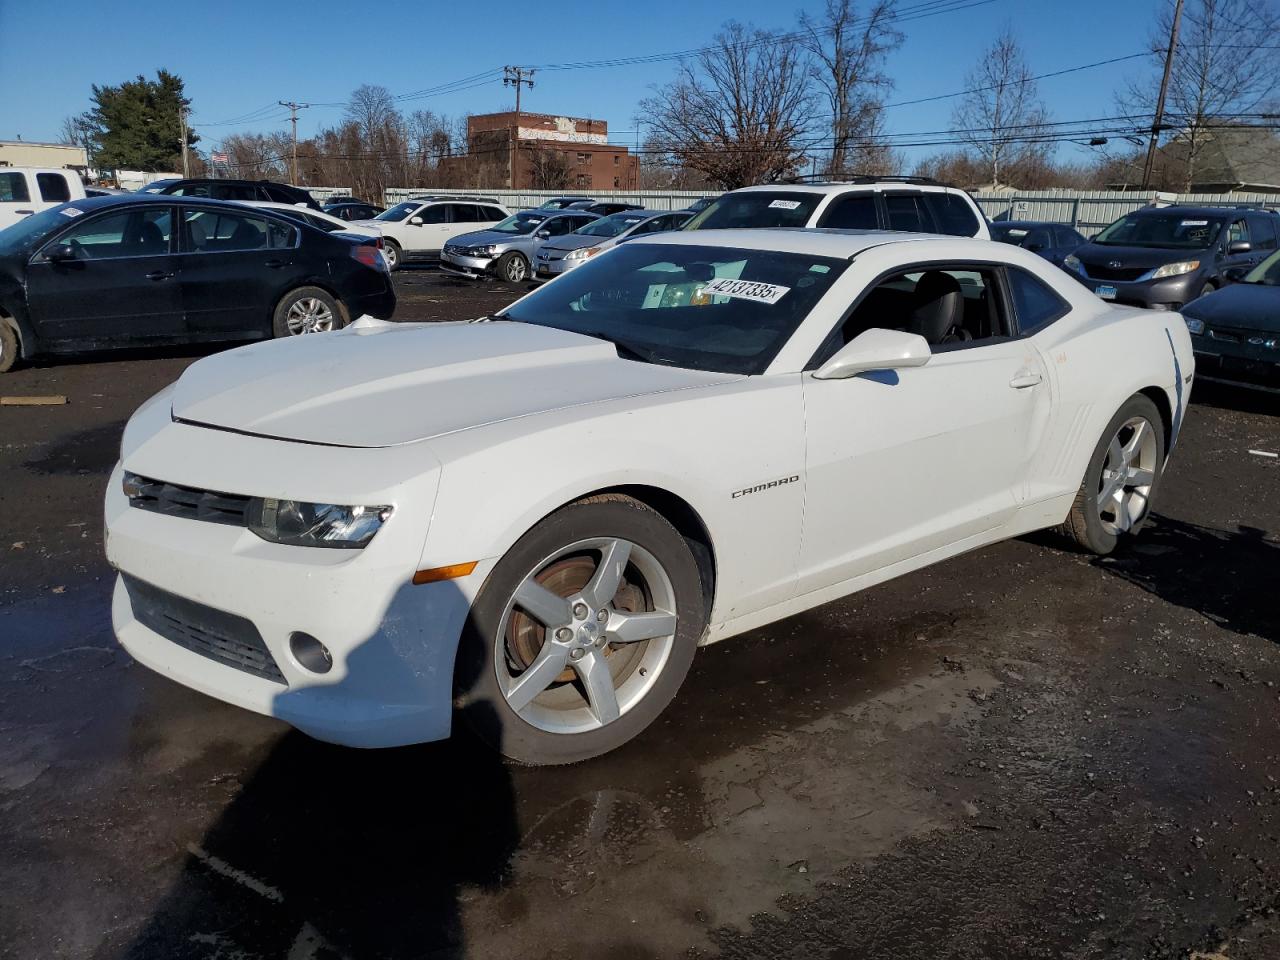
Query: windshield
(757, 208)
(157, 186)
(29, 232)
(399, 212)
(1008, 234)
(610, 226)
(519, 223)
(1164, 229)
(705, 308)
(558, 203)
(1267, 272)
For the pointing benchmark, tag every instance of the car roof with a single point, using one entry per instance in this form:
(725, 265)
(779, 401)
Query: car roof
(827, 189)
(90, 204)
(1021, 224)
(1179, 210)
(819, 242)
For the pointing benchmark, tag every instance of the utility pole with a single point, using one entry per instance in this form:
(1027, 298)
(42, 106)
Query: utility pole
(293, 119)
(182, 133)
(1158, 120)
(516, 77)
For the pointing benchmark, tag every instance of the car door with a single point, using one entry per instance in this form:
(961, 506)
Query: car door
(15, 197)
(235, 267)
(906, 462)
(428, 237)
(1237, 232)
(122, 283)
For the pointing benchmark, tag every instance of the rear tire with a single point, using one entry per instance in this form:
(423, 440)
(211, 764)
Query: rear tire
(512, 267)
(10, 352)
(1114, 499)
(307, 310)
(392, 254)
(604, 652)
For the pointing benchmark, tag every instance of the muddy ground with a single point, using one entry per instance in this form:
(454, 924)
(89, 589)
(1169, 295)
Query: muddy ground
(1022, 753)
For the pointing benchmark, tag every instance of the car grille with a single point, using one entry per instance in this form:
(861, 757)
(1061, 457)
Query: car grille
(1098, 271)
(223, 637)
(545, 254)
(191, 503)
(1227, 335)
(452, 250)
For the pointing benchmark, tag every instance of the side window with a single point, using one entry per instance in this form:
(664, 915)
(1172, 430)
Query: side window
(1035, 305)
(281, 235)
(211, 231)
(230, 191)
(436, 213)
(321, 224)
(1238, 231)
(491, 213)
(465, 213)
(906, 212)
(855, 211)
(127, 233)
(1066, 237)
(1038, 239)
(53, 187)
(13, 188)
(952, 214)
(1263, 230)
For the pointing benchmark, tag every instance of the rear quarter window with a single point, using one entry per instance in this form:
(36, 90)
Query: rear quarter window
(1034, 303)
(13, 188)
(952, 214)
(53, 187)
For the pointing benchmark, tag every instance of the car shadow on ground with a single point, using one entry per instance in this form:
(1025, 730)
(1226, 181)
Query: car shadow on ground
(1224, 396)
(1226, 576)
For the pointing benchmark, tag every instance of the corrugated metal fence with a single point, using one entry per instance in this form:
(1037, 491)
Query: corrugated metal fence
(524, 199)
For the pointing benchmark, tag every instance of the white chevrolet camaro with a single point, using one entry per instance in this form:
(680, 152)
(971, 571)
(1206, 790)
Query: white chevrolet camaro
(531, 523)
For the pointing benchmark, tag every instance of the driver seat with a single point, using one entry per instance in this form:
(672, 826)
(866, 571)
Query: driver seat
(938, 310)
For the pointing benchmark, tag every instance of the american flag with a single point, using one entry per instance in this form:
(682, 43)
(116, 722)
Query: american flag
(218, 157)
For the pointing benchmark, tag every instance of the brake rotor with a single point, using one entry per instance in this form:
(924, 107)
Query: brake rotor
(565, 578)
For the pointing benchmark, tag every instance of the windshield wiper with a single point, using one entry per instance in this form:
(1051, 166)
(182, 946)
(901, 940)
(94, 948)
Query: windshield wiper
(627, 351)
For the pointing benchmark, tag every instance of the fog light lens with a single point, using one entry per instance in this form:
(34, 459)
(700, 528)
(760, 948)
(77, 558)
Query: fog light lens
(1194, 326)
(310, 652)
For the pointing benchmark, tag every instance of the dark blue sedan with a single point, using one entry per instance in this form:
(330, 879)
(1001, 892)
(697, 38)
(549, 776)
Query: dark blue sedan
(1053, 241)
(1235, 331)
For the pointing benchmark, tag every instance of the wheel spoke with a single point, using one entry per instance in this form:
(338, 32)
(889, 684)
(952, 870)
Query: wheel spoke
(633, 627)
(1139, 477)
(1122, 520)
(593, 670)
(1112, 486)
(1115, 454)
(549, 609)
(1135, 441)
(608, 576)
(541, 674)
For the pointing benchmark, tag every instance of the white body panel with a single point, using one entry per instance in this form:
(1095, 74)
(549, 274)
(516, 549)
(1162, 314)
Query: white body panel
(474, 432)
(428, 239)
(28, 179)
(335, 224)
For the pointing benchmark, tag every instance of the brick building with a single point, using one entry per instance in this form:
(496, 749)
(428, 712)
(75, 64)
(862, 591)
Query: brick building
(547, 152)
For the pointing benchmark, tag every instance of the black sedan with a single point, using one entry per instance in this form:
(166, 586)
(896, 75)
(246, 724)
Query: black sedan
(144, 269)
(1053, 241)
(348, 209)
(262, 191)
(1235, 331)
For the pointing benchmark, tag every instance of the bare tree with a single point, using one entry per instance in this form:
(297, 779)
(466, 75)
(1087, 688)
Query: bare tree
(1001, 116)
(1222, 70)
(849, 48)
(737, 112)
(549, 168)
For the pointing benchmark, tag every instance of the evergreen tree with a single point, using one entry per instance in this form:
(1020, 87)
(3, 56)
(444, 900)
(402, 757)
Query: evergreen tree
(136, 125)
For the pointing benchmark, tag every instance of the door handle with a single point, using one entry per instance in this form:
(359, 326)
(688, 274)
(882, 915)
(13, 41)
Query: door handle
(1027, 378)
(25, 213)
(159, 275)
(274, 264)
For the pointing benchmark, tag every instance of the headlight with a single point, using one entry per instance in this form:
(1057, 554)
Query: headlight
(582, 253)
(315, 524)
(1194, 326)
(1072, 262)
(1176, 269)
(487, 251)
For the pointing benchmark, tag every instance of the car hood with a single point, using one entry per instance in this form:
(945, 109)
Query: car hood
(1247, 306)
(1139, 257)
(485, 237)
(379, 384)
(576, 241)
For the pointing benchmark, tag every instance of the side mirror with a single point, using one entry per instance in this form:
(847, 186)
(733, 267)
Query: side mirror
(543, 234)
(1239, 246)
(876, 349)
(415, 221)
(1235, 274)
(60, 252)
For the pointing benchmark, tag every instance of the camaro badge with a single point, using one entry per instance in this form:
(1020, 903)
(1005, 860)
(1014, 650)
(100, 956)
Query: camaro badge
(764, 486)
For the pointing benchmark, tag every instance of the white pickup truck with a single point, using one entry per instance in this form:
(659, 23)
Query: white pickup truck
(28, 190)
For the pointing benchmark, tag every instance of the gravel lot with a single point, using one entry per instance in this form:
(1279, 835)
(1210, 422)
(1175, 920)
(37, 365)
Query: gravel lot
(1022, 752)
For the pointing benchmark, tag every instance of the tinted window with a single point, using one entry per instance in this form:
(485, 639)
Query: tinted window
(492, 213)
(1263, 230)
(217, 232)
(13, 188)
(128, 233)
(53, 187)
(1067, 237)
(659, 303)
(231, 191)
(559, 226)
(435, 214)
(906, 212)
(1035, 304)
(852, 212)
(1169, 228)
(758, 208)
(467, 213)
(1238, 232)
(952, 214)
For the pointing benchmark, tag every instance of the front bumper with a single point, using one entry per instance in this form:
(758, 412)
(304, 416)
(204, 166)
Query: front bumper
(474, 268)
(1229, 357)
(1169, 293)
(392, 643)
(547, 267)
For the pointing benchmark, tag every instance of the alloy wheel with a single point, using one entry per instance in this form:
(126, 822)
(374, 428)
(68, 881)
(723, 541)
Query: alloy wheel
(309, 315)
(516, 270)
(1128, 474)
(585, 635)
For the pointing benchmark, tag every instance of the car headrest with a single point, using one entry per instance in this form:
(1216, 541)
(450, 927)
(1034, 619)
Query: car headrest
(939, 305)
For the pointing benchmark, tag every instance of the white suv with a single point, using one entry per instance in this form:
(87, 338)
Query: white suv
(417, 229)
(914, 204)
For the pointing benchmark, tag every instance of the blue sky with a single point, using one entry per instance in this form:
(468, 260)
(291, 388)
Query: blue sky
(238, 57)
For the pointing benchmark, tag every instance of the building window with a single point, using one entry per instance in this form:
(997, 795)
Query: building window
(584, 158)
(615, 159)
(616, 183)
(584, 179)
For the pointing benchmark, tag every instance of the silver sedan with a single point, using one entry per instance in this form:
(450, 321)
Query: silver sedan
(506, 250)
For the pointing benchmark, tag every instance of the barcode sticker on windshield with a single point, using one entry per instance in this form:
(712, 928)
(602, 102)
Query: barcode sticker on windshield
(1195, 223)
(784, 205)
(70, 212)
(745, 290)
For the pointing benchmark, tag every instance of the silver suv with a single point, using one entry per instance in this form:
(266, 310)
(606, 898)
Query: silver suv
(914, 204)
(506, 249)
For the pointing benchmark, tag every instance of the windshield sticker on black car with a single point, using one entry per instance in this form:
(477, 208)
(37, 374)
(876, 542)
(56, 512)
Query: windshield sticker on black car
(745, 290)
(1195, 223)
(784, 204)
(71, 212)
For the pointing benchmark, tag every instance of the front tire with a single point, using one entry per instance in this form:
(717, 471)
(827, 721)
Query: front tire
(1114, 499)
(307, 310)
(10, 353)
(512, 267)
(582, 634)
(392, 254)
